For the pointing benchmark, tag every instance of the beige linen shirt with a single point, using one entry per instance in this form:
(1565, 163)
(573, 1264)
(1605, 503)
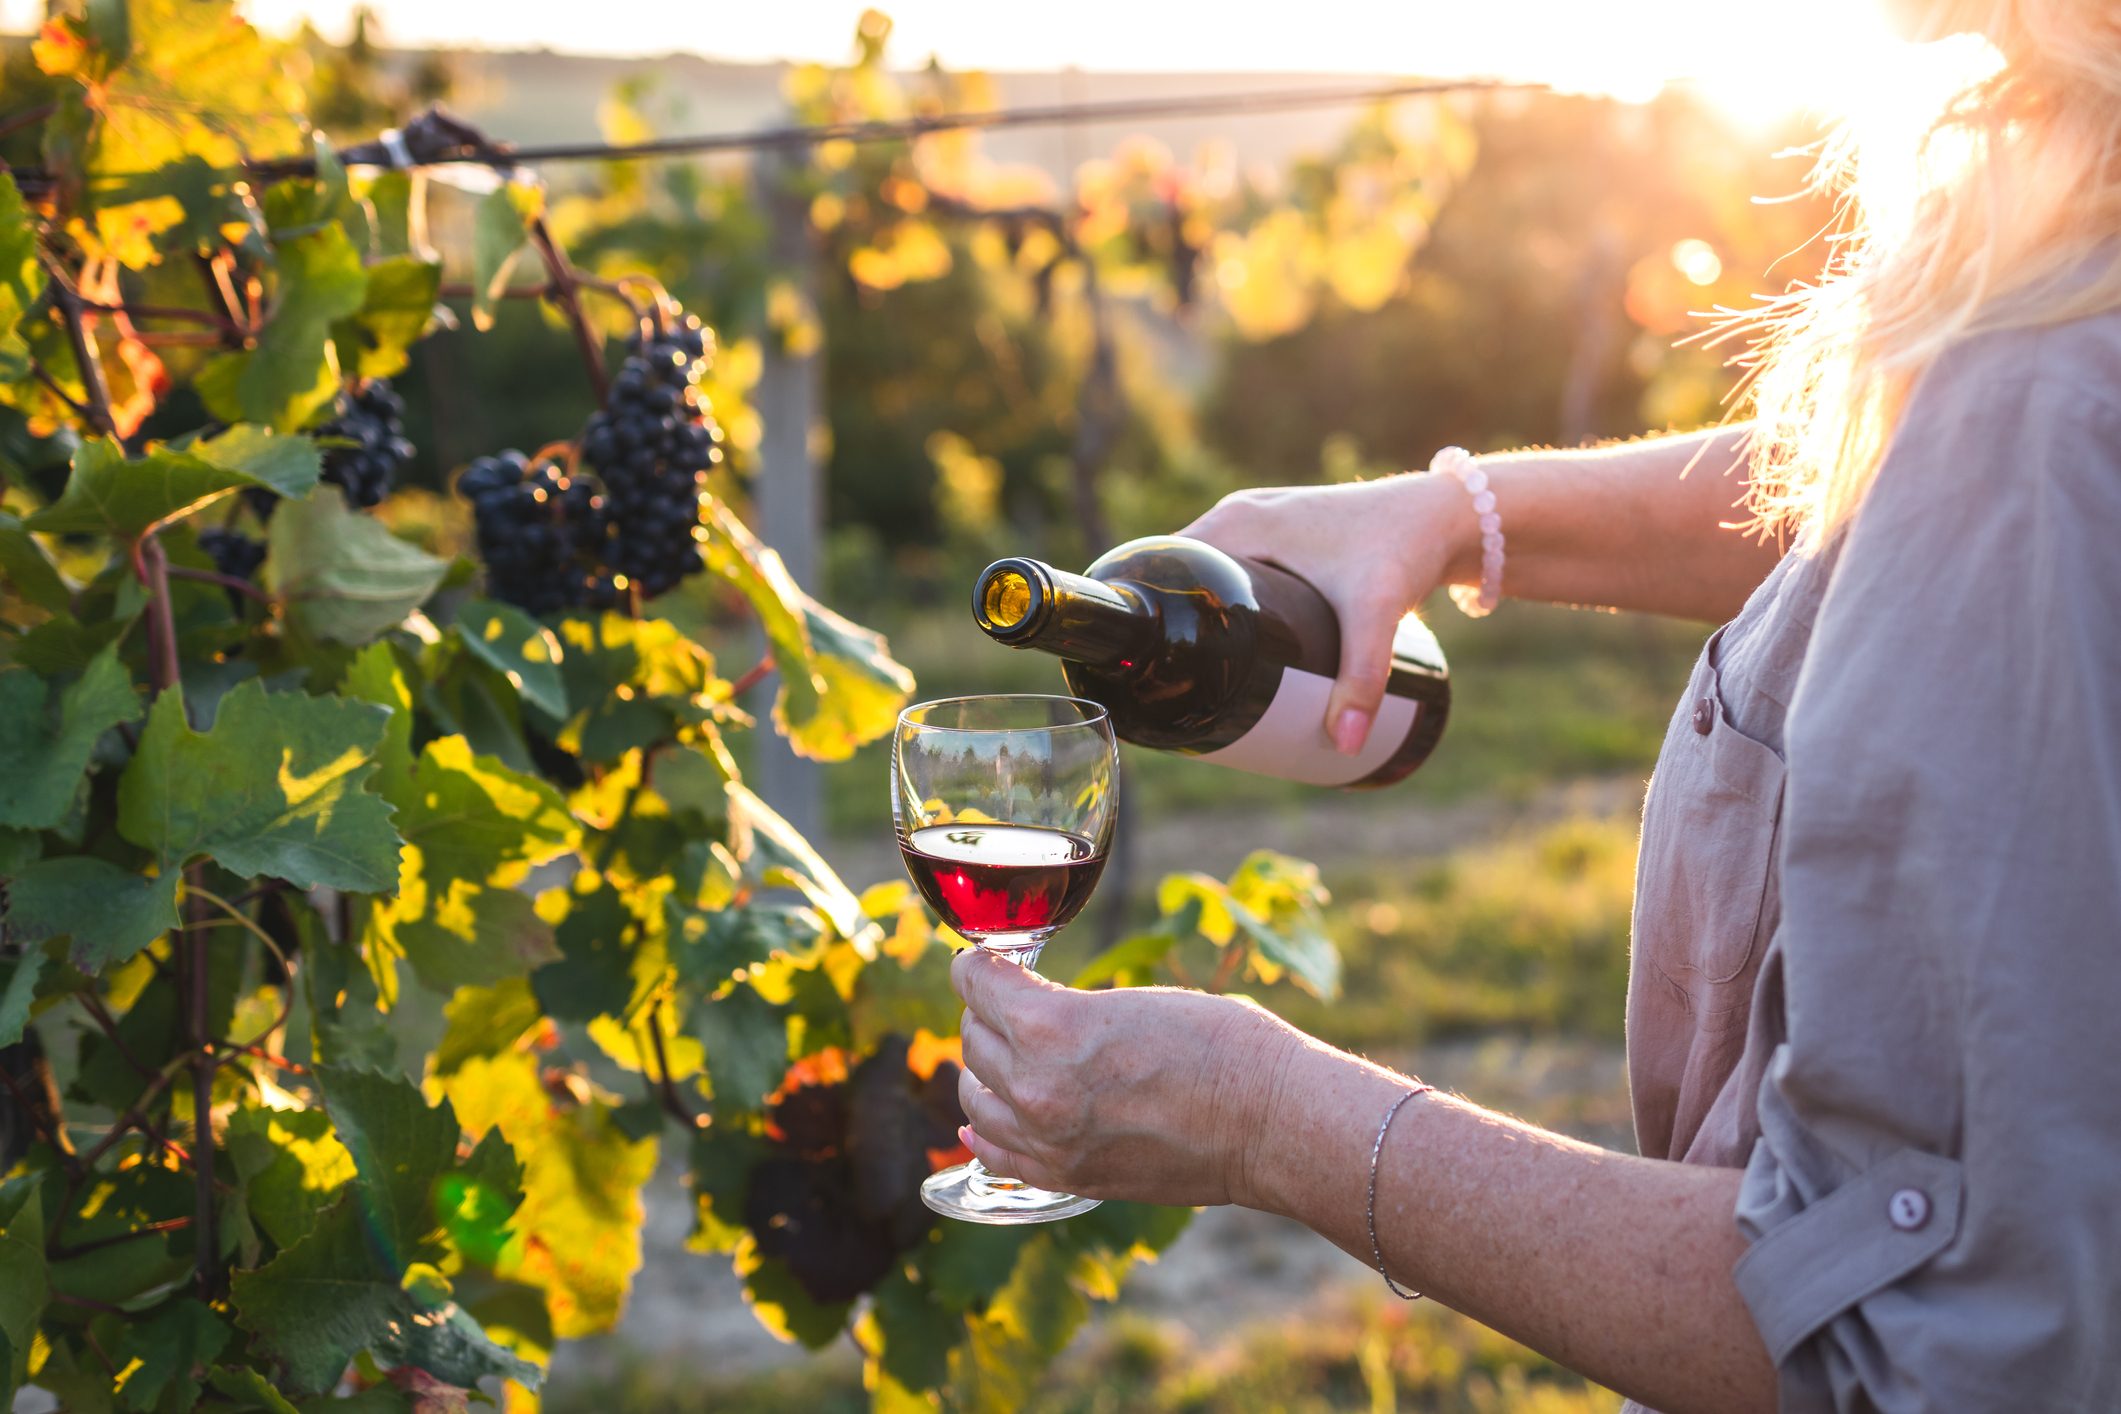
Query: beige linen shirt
(1877, 941)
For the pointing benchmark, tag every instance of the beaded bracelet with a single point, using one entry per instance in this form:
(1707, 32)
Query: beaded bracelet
(1370, 1214)
(1476, 603)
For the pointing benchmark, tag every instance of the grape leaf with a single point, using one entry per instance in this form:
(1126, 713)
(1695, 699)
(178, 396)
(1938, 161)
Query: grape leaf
(18, 291)
(593, 975)
(780, 1302)
(401, 1147)
(918, 1332)
(248, 1390)
(627, 682)
(472, 829)
(292, 1167)
(159, 1355)
(840, 687)
(520, 648)
(746, 1038)
(774, 854)
(375, 675)
(396, 308)
(577, 1235)
(110, 495)
(298, 813)
(498, 237)
(1026, 1324)
(327, 1298)
(110, 913)
(483, 1021)
(46, 738)
(293, 372)
(345, 577)
(24, 1287)
(1276, 901)
(860, 689)
(24, 563)
(18, 994)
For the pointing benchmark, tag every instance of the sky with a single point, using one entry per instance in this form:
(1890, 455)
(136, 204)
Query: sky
(1759, 56)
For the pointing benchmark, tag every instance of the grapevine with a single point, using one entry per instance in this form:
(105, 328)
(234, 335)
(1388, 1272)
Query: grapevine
(266, 776)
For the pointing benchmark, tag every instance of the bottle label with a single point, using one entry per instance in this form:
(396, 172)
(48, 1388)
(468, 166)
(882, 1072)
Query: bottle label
(1289, 740)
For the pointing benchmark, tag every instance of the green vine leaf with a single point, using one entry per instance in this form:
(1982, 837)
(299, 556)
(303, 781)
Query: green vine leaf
(298, 813)
(498, 238)
(345, 577)
(18, 264)
(577, 1236)
(24, 1288)
(109, 913)
(47, 737)
(248, 1391)
(23, 561)
(518, 647)
(859, 689)
(840, 686)
(293, 373)
(109, 495)
(19, 993)
(401, 1147)
(329, 1298)
(473, 829)
(396, 308)
(290, 1165)
(159, 1356)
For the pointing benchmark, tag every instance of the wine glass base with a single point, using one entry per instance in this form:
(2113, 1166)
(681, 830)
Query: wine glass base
(971, 1196)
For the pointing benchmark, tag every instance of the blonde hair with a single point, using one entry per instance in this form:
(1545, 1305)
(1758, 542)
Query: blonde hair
(1997, 206)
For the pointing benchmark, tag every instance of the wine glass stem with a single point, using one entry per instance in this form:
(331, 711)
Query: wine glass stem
(1023, 950)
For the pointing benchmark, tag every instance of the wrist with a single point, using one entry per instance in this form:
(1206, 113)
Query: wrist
(1448, 513)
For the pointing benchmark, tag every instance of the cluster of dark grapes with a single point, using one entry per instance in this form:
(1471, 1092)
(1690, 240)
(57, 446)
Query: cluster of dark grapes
(233, 552)
(552, 541)
(541, 534)
(370, 425)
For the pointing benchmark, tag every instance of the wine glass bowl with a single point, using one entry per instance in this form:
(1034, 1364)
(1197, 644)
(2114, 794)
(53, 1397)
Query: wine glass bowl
(1004, 808)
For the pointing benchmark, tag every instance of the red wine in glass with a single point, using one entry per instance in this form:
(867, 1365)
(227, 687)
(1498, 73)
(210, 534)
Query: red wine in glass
(992, 879)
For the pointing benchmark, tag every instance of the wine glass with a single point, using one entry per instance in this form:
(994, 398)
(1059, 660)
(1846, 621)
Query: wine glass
(1004, 807)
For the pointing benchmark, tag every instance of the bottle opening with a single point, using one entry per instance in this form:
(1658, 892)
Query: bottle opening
(1006, 599)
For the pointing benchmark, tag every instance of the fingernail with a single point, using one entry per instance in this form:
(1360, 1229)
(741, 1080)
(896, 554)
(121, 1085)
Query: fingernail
(1350, 730)
(964, 1135)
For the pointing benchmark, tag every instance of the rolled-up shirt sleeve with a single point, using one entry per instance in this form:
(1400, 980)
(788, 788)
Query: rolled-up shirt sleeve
(1934, 1205)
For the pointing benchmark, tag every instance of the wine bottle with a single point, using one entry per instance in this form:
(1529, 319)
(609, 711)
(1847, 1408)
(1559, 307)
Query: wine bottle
(1224, 658)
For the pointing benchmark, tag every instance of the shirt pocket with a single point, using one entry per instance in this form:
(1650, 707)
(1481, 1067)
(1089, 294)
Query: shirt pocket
(1709, 833)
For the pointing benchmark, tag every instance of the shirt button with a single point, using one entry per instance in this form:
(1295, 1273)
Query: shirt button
(1908, 1209)
(1704, 715)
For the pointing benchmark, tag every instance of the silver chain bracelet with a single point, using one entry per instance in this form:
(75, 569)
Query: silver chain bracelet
(1370, 1214)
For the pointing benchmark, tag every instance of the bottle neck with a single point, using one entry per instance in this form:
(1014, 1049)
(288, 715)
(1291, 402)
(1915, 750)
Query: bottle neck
(1028, 604)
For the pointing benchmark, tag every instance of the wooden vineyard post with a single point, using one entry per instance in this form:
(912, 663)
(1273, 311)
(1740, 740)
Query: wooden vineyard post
(790, 482)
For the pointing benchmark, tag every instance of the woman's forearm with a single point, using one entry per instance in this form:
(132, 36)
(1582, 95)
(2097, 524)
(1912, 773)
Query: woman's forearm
(1645, 525)
(1616, 1266)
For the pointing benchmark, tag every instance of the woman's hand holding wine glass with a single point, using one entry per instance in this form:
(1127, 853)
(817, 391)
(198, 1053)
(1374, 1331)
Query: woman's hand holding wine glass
(1153, 1093)
(1004, 808)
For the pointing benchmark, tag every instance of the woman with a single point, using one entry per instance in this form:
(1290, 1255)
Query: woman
(1874, 1021)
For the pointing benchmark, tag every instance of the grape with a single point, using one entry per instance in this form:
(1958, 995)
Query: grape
(234, 554)
(539, 530)
(370, 421)
(554, 541)
(651, 444)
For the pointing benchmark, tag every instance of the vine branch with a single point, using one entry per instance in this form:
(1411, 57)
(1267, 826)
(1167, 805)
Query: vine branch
(72, 313)
(563, 294)
(226, 581)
